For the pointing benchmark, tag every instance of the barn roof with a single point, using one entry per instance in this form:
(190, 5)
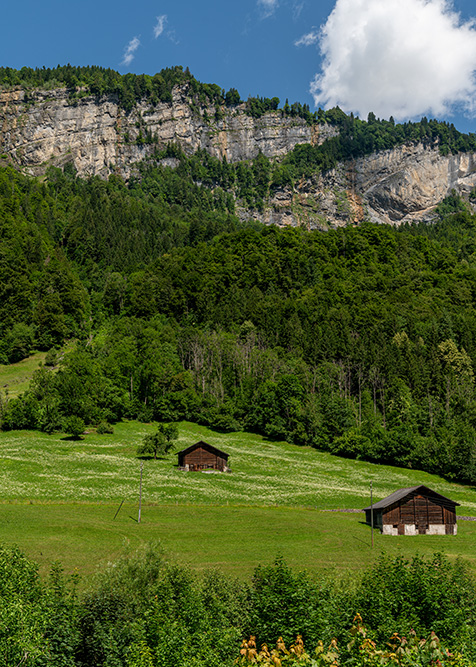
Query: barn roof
(403, 493)
(201, 443)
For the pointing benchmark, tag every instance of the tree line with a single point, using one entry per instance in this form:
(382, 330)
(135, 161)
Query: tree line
(131, 89)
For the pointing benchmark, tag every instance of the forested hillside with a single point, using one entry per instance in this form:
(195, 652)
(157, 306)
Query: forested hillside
(360, 341)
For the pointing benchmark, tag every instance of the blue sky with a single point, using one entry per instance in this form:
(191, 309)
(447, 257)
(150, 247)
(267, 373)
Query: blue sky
(404, 58)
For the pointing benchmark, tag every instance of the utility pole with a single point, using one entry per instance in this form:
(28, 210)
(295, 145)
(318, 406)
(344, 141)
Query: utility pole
(372, 512)
(140, 489)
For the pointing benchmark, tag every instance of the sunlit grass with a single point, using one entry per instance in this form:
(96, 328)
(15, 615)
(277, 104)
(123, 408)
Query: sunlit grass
(15, 378)
(233, 538)
(102, 468)
(59, 498)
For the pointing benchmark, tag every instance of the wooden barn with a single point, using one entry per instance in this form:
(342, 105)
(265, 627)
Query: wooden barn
(414, 511)
(202, 456)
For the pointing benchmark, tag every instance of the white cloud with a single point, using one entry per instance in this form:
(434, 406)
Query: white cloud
(403, 58)
(160, 25)
(268, 7)
(308, 39)
(297, 9)
(130, 50)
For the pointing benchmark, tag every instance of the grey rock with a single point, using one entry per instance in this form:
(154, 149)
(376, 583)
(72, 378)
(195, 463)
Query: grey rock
(99, 138)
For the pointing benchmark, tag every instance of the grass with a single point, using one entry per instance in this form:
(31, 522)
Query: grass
(232, 538)
(15, 378)
(60, 496)
(105, 468)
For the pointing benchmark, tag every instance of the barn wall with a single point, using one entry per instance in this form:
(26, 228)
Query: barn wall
(203, 458)
(419, 515)
(436, 529)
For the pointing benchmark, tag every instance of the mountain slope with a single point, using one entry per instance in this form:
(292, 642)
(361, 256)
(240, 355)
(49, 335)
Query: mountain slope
(372, 171)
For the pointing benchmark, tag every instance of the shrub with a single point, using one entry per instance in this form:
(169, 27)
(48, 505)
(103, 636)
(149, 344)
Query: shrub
(285, 602)
(51, 358)
(103, 428)
(74, 426)
(424, 595)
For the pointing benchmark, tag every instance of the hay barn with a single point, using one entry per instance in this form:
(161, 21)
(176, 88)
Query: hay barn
(202, 456)
(414, 511)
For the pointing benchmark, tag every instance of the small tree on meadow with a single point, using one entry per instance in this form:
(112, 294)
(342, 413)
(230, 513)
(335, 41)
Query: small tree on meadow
(159, 443)
(74, 426)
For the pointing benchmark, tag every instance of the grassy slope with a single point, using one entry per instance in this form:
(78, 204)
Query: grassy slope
(60, 497)
(15, 378)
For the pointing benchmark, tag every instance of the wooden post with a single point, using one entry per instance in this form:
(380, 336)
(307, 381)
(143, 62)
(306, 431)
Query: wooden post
(372, 512)
(140, 489)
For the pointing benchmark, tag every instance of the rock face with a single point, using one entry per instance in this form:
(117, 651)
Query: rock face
(99, 137)
(394, 186)
(96, 135)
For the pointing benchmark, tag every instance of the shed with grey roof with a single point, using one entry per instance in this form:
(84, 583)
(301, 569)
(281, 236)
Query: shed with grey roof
(416, 510)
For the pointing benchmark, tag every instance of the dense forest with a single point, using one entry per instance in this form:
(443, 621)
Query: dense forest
(154, 301)
(145, 611)
(360, 341)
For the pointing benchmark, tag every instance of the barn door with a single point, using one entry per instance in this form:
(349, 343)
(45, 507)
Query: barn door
(401, 529)
(450, 529)
(422, 527)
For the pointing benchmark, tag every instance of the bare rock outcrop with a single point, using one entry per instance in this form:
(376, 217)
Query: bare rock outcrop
(395, 186)
(99, 137)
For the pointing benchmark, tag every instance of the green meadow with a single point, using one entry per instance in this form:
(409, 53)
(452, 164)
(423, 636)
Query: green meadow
(60, 498)
(15, 378)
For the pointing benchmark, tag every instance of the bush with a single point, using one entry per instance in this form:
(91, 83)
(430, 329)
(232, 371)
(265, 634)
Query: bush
(103, 428)
(51, 358)
(284, 602)
(21, 622)
(422, 595)
(74, 426)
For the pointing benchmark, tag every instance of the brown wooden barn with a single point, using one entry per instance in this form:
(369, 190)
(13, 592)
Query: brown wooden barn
(414, 511)
(202, 456)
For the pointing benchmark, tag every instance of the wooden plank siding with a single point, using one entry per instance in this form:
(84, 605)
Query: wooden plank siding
(203, 456)
(201, 459)
(419, 510)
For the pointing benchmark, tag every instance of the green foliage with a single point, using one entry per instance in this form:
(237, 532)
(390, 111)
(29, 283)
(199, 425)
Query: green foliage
(258, 106)
(51, 358)
(104, 428)
(143, 611)
(159, 443)
(19, 342)
(421, 595)
(232, 97)
(358, 138)
(129, 88)
(74, 426)
(362, 340)
(284, 603)
(37, 623)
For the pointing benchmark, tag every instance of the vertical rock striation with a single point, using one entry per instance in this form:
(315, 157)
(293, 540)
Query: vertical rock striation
(99, 137)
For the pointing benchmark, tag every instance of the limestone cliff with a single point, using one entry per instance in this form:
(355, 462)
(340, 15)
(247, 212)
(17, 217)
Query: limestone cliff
(99, 137)
(394, 186)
